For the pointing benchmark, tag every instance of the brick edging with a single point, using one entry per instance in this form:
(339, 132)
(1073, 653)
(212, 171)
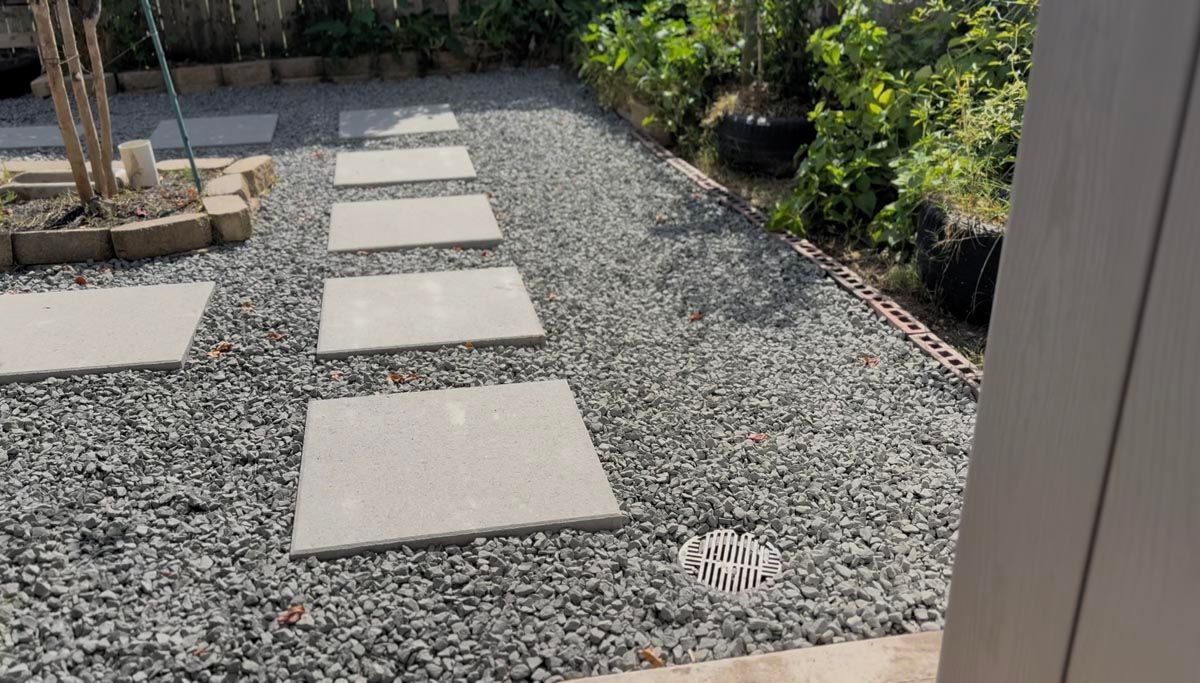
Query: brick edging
(914, 330)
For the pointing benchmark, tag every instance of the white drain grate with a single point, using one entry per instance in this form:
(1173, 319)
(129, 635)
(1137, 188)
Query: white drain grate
(728, 562)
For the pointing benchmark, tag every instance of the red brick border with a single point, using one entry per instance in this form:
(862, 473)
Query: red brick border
(889, 310)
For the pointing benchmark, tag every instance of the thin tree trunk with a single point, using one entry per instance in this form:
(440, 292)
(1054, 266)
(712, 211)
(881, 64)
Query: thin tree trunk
(58, 92)
(100, 88)
(749, 41)
(74, 66)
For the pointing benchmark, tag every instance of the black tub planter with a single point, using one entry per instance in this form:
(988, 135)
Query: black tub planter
(958, 258)
(762, 144)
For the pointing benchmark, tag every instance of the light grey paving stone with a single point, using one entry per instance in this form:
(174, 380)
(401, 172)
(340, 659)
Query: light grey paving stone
(59, 334)
(393, 166)
(21, 137)
(383, 123)
(217, 131)
(387, 313)
(461, 221)
(447, 467)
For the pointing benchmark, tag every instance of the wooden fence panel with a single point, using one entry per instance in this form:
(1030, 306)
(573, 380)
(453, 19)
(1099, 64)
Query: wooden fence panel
(222, 32)
(16, 27)
(246, 25)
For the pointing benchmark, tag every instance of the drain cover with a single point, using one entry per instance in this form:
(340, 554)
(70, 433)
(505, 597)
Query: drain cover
(728, 562)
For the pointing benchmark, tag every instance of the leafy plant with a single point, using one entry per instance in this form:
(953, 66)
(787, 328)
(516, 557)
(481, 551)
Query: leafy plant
(930, 106)
(428, 33)
(358, 33)
(670, 55)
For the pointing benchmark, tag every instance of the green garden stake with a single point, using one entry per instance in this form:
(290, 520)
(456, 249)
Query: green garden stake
(166, 72)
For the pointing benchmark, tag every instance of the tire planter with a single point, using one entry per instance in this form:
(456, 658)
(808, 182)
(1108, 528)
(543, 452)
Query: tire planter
(762, 144)
(17, 71)
(958, 259)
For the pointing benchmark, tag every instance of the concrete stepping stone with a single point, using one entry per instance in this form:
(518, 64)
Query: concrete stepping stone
(388, 313)
(447, 466)
(463, 221)
(394, 166)
(22, 137)
(217, 131)
(60, 334)
(384, 123)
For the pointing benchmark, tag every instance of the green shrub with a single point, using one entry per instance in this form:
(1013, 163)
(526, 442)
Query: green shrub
(357, 33)
(671, 55)
(931, 107)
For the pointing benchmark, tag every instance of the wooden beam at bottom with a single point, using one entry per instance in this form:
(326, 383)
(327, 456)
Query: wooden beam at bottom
(898, 659)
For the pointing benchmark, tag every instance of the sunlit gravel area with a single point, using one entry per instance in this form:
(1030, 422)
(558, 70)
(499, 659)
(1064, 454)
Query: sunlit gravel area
(145, 517)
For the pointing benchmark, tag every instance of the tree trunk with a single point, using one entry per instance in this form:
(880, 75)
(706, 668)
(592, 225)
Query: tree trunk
(101, 91)
(58, 92)
(71, 55)
(749, 41)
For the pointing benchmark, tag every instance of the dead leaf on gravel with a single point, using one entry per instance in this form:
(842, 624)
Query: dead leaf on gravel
(200, 651)
(362, 252)
(757, 437)
(402, 378)
(81, 280)
(220, 349)
(696, 317)
(468, 345)
(648, 655)
(869, 360)
(551, 297)
(660, 218)
(247, 306)
(291, 616)
(275, 336)
(336, 375)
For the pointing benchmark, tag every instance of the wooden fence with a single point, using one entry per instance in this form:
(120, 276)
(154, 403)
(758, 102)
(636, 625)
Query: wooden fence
(221, 30)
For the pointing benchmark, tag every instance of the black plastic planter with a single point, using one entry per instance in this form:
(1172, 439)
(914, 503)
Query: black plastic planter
(762, 144)
(17, 71)
(958, 259)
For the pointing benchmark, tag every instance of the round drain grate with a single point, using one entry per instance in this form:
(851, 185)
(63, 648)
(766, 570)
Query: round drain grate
(728, 562)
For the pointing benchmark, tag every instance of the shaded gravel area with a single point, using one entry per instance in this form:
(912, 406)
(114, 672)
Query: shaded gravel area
(145, 517)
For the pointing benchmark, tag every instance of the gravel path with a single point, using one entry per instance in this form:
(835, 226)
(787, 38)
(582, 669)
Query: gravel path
(145, 517)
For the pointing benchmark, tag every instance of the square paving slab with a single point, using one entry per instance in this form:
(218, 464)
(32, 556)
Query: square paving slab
(59, 334)
(22, 137)
(387, 313)
(391, 224)
(447, 467)
(383, 123)
(217, 131)
(394, 166)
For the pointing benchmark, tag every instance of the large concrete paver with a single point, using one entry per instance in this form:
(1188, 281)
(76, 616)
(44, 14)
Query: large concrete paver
(395, 166)
(217, 131)
(22, 137)
(463, 221)
(447, 466)
(60, 334)
(388, 313)
(382, 123)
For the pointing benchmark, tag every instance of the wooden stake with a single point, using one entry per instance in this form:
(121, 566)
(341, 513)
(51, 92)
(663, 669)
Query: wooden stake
(62, 104)
(71, 54)
(100, 88)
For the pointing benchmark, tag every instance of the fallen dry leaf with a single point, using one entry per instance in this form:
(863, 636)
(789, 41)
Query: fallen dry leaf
(291, 616)
(362, 252)
(551, 297)
(696, 317)
(247, 306)
(456, 248)
(648, 655)
(660, 218)
(200, 651)
(402, 378)
(336, 375)
(490, 195)
(869, 360)
(486, 253)
(697, 195)
(275, 336)
(468, 345)
(220, 349)
(80, 280)
(141, 213)
(757, 437)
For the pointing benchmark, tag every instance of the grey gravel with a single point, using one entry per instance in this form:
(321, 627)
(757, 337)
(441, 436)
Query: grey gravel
(145, 517)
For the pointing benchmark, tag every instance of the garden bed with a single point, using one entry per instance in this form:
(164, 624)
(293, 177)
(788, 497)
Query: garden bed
(169, 218)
